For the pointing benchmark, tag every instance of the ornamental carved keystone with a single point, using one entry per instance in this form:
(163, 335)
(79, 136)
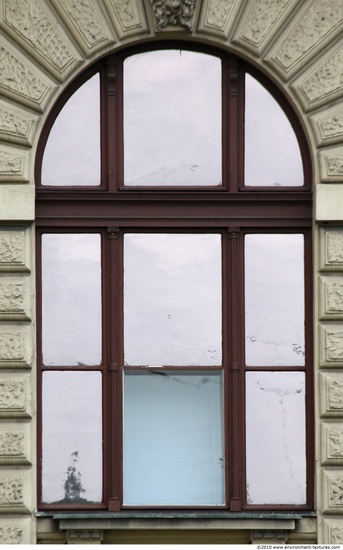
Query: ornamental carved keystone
(320, 20)
(262, 18)
(173, 13)
(33, 23)
(10, 534)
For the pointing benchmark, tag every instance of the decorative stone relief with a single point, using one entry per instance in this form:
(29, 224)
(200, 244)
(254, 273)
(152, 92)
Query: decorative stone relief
(328, 127)
(12, 251)
(12, 444)
(19, 82)
(331, 395)
(318, 23)
(14, 348)
(259, 22)
(173, 13)
(34, 26)
(332, 353)
(331, 249)
(10, 534)
(128, 17)
(332, 444)
(11, 298)
(331, 302)
(332, 531)
(324, 84)
(216, 16)
(84, 17)
(333, 491)
(14, 127)
(11, 491)
(331, 165)
(13, 166)
(12, 396)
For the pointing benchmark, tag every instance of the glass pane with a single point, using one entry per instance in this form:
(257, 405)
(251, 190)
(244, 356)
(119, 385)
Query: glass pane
(72, 152)
(172, 119)
(173, 438)
(274, 300)
(72, 437)
(71, 296)
(276, 463)
(272, 154)
(172, 299)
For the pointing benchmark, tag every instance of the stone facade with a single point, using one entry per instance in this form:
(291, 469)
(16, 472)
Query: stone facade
(43, 45)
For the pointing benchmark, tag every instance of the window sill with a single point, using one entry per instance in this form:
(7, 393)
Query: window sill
(176, 520)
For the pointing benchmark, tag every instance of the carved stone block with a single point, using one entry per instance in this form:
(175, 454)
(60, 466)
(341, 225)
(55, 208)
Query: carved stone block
(331, 345)
(128, 17)
(332, 443)
(14, 397)
(331, 297)
(332, 487)
(331, 394)
(16, 530)
(13, 250)
(260, 22)
(217, 17)
(13, 165)
(316, 25)
(331, 165)
(15, 491)
(328, 126)
(331, 249)
(21, 81)
(14, 126)
(331, 531)
(323, 84)
(15, 347)
(85, 23)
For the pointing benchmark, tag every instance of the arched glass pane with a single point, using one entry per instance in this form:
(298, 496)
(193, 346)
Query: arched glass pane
(172, 119)
(272, 154)
(72, 152)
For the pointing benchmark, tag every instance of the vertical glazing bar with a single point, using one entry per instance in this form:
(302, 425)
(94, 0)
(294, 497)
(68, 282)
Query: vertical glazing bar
(114, 372)
(236, 399)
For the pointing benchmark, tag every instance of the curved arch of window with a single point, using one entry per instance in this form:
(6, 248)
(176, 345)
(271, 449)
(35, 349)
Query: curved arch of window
(174, 289)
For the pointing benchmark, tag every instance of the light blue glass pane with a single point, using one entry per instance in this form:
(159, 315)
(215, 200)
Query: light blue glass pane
(272, 154)
(172, 299)
(172, 119)
(72, 152)
(274, 300)
(275, 423)
(173, 438)
(71, 299)
(72, 437)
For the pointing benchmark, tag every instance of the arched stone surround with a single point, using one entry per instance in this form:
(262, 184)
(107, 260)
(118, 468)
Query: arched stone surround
(44, 44)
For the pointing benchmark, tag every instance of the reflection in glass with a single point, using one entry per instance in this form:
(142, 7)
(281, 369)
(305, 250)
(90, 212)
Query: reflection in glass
(172, 119)
(173, 438)
(72, 437)
(274, 300)
(275, 422)
(172, 299)
(272, 154)
(72, 152)
(71, 299)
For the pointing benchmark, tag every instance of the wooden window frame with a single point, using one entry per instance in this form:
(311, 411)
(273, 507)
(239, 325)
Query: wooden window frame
(232, 209)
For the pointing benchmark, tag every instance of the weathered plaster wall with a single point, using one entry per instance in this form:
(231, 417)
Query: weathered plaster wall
(43, 45)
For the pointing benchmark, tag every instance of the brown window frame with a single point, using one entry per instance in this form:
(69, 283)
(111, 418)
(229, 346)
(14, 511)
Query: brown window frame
(232, 209)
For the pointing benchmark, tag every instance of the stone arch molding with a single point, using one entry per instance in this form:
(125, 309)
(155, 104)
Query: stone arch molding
(43, 45)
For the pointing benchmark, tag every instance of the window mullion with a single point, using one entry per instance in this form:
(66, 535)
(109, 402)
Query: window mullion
(236, 373)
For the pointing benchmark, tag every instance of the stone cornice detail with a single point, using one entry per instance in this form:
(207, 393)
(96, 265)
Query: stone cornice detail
(34, 27)
(176, 13)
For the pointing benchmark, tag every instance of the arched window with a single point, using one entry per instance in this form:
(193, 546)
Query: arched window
(174, 316)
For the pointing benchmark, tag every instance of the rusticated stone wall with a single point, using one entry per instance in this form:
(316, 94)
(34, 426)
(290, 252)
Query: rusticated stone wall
(43, 45)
